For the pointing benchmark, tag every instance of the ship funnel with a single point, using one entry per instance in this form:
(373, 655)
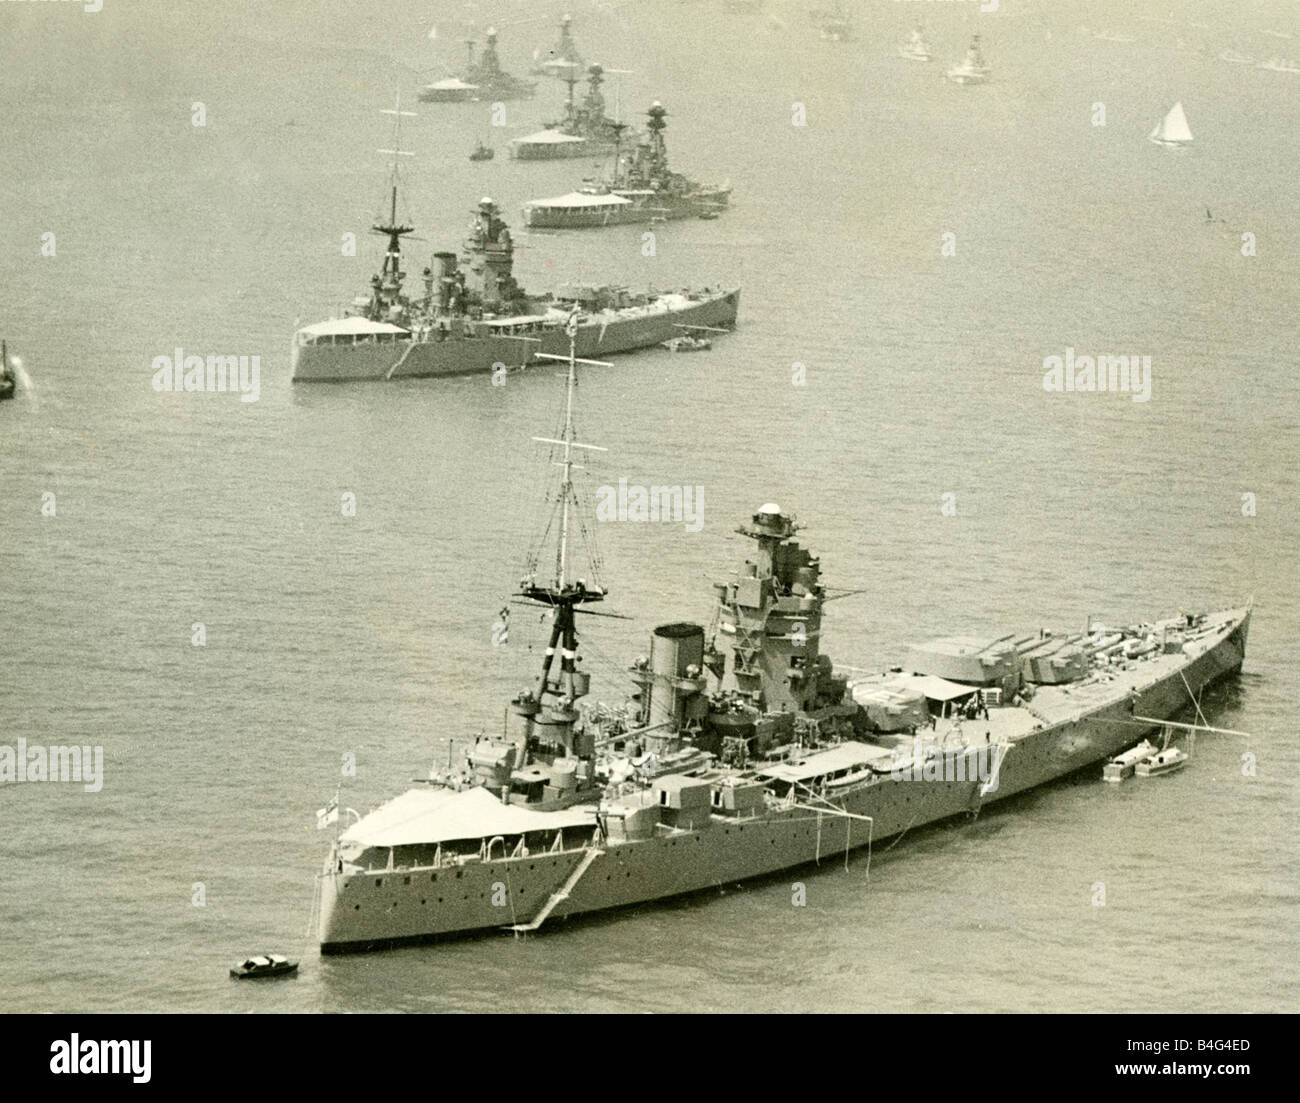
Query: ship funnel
(676, 659)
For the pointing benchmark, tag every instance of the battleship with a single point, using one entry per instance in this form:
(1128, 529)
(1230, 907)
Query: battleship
(564, 58)
(973, 69)
(742, 752)
(472, 315)
(645, 190)
(484, 79)
(585, 130)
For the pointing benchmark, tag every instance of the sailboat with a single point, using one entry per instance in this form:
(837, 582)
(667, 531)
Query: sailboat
(1172, 130)
(973, 69)
(915, 48)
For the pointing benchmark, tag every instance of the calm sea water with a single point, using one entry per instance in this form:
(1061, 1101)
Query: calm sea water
(371, 635)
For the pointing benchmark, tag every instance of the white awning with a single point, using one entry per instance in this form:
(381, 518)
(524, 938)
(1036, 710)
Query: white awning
(934, 687)
(580, 199)
(846, 756)
(354, 326)
(451, 83)
(441, 815)
(547, 137)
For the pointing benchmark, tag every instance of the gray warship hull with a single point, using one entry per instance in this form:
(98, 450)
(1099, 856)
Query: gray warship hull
(598, 335)
(643, 207)
(1061, 730)
(522, 149)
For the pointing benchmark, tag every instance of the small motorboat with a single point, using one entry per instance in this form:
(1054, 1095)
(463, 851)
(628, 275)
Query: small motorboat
(482, 153)
(1162, 762)
(1123, 764)
(687, 343)
(8, 382)
(264, 965)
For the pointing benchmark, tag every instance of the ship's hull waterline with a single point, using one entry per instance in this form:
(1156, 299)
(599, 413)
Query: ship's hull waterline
(379, 908)
(411, 359)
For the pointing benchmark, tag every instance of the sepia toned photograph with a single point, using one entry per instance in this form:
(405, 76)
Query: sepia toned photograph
(649, 506)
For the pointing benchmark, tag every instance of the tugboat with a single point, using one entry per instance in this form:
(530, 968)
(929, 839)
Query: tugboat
(563, 59)
(472, 315)
(8, 382)
(263, 965)
(915, 48)
(585, 130)
(482, 153)
(741, 751)
(973, 68)
(644, 189)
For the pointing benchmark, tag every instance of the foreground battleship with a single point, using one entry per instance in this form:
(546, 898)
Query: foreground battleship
(742, 753)
(472, 316)
(643, 191)
(586, 130)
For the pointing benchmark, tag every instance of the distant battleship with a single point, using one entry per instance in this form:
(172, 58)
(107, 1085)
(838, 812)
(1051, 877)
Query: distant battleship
(643, 191)
(836, 26)
(586, 130)
(915, 48)
(973, 68)
(474, 317)
(742, 752)
(484, 79)
(564, 58)
(1172, 130)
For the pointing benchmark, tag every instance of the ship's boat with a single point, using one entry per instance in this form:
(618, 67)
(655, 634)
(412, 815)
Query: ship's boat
(263, 965)
(973, 69)
(482, 153)
(585, 130)
(1172, 130)
(687, 343)
(1123, 764)
(1162, 762)
(643, 190)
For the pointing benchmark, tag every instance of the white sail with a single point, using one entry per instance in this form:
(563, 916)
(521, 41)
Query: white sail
(1173, 127)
